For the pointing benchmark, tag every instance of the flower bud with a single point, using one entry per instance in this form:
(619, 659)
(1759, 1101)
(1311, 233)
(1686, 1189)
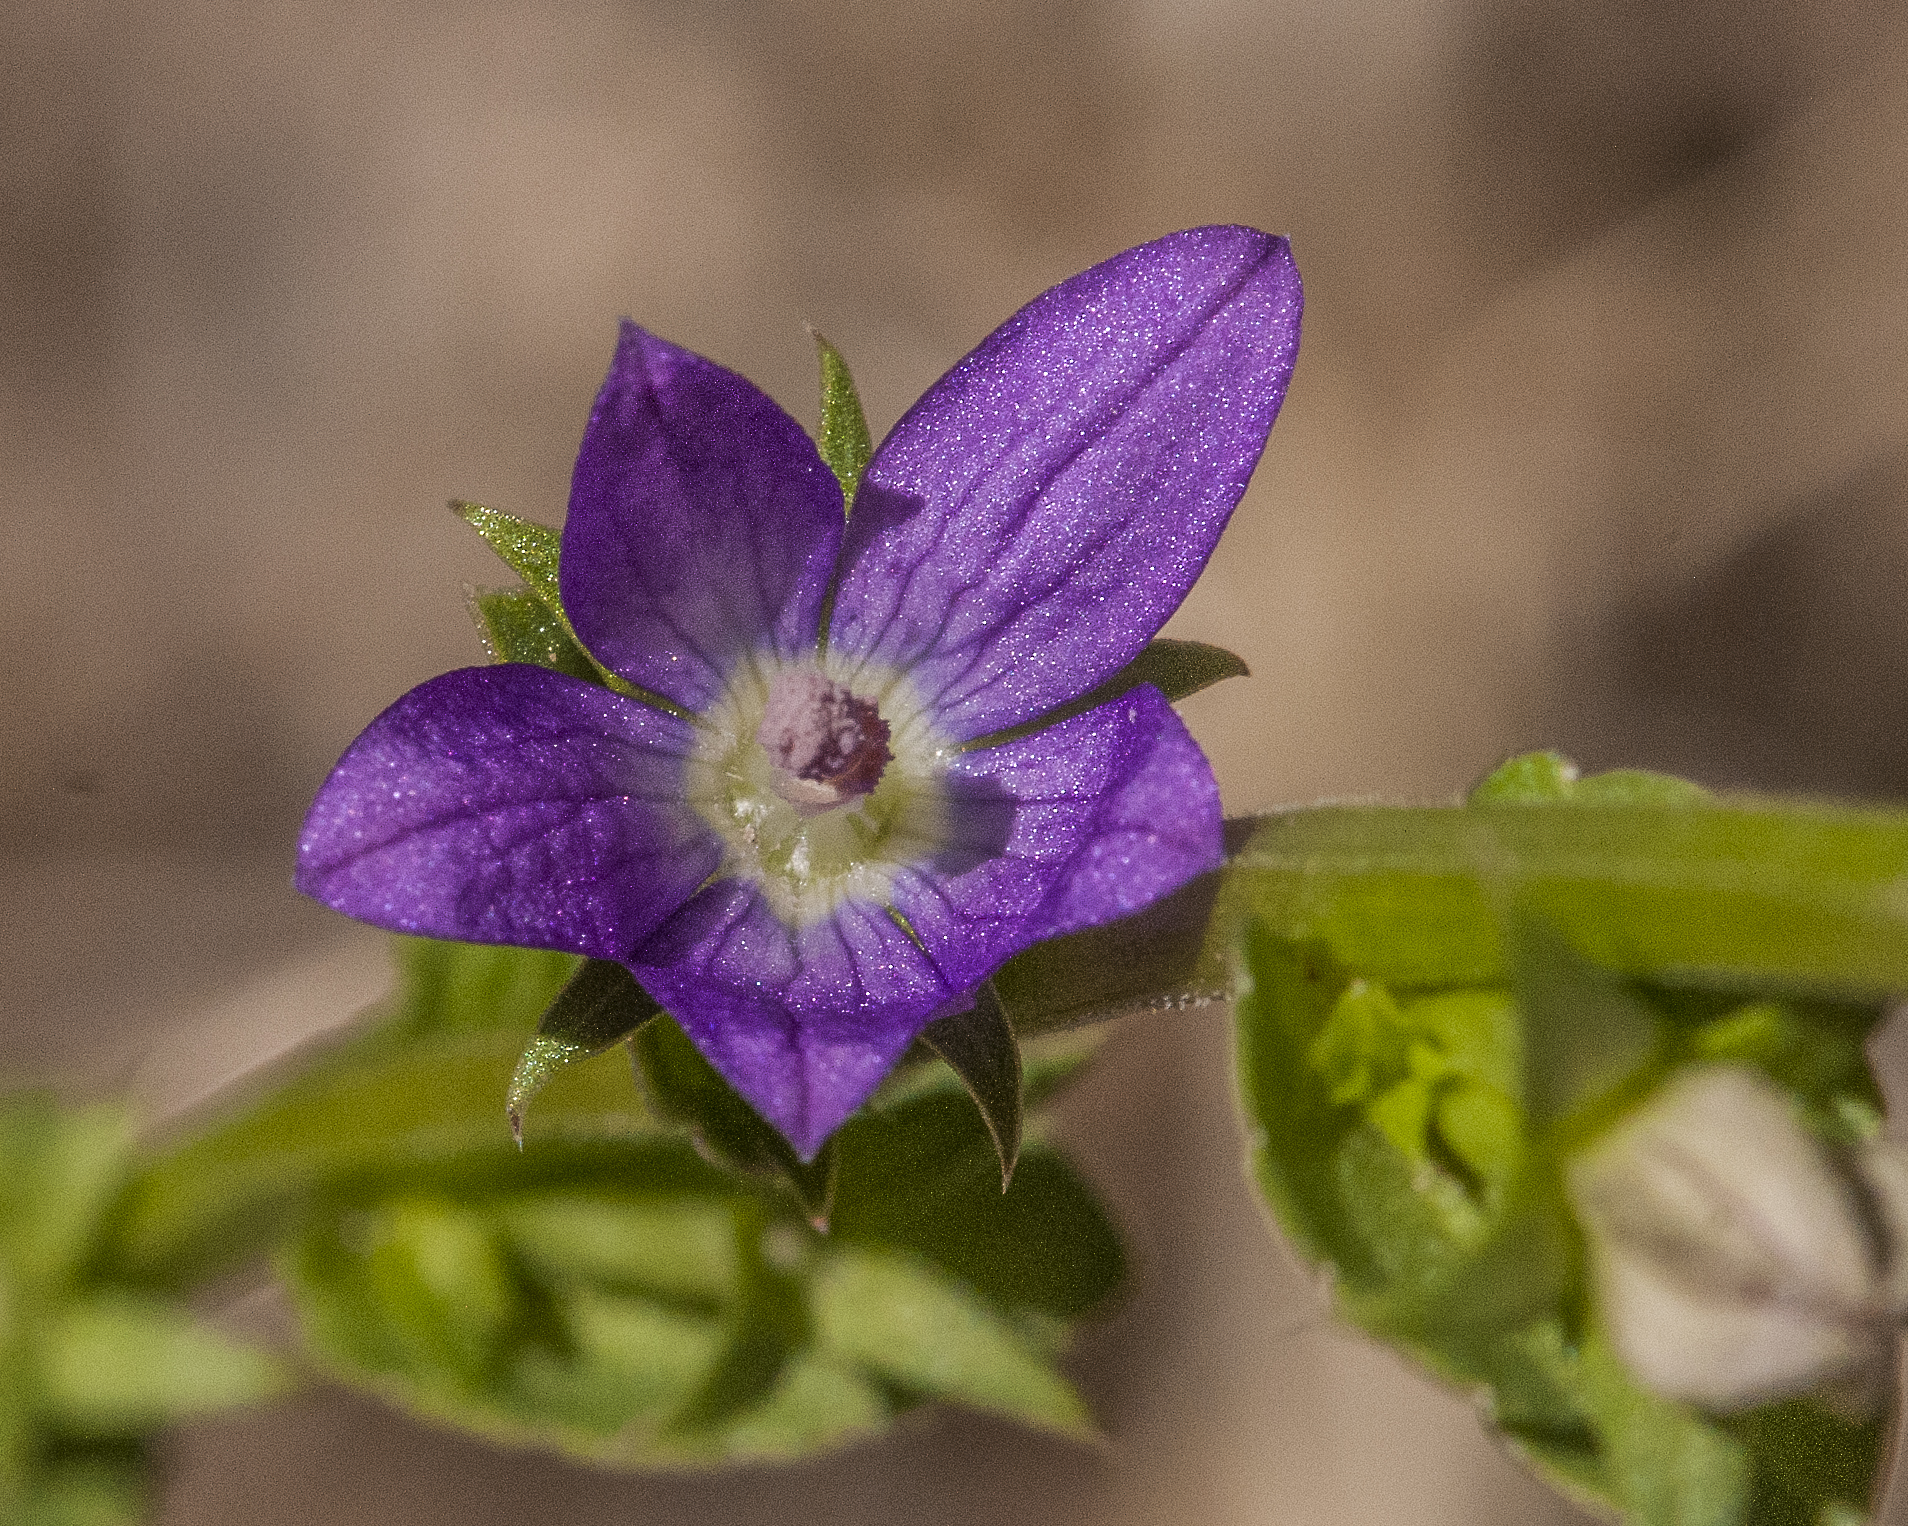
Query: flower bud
(1736, 1257)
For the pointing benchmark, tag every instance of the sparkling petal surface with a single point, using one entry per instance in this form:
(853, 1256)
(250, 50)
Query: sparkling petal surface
(510, 805)
(1103, 814)
(805, 1022)
(702, 523)
(1033, 520)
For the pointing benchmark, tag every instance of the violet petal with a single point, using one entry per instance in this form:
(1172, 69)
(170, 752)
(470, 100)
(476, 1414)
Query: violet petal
(511, 805)
(1033, 520)
(702, 523)
(804, 1023)
(1110, 810)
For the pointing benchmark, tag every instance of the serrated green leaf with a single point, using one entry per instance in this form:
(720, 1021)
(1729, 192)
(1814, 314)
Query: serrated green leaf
(916, 1327)
(684, 1089)
(843, 437)
(114, 1364)
(600, 1006)
(517, 626)
(979, 1046)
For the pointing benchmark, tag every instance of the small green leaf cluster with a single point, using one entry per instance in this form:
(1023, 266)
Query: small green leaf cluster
(89, 1364)
(653, 1281)
(1424, 1046)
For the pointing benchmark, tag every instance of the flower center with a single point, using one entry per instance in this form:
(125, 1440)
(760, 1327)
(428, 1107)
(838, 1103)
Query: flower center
(823, 781)
(825, 743)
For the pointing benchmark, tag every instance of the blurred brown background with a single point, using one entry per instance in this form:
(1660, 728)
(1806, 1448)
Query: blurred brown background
(1596, 442)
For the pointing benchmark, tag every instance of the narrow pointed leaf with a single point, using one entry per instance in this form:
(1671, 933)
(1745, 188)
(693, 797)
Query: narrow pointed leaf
(517, 626)
(843, 437)
(1161, 959)
(915, 1327)
(600, 1006)
(979, 1047)
(116, 1365)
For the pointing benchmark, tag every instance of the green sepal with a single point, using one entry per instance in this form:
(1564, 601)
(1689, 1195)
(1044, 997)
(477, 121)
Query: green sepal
(1163, 958)
(921, 1330)
(1178, 669)
(600, 1006)
(532, 551)
(684, 1089)
(528, 549)
(979, 1046)
(517, 626)
(843, 438)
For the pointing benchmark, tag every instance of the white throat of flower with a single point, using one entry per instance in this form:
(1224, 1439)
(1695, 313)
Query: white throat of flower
(822, 779)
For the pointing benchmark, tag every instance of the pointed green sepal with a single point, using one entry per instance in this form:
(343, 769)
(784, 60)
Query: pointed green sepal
(843, 437)
(507, 622)
(979, 1047)
(600, 1006)
(517, 626)
(1177, 669)
(530, 550)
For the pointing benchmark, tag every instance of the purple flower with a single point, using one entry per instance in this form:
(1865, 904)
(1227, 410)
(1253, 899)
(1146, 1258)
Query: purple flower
(819, 849)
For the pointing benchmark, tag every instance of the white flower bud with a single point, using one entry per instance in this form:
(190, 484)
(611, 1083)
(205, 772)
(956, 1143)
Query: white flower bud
(1736, 1257)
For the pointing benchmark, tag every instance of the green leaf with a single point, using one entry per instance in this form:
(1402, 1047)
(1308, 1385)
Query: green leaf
(917, 1328)
(684, 1089)
(1666, 1465)
(115, 1365)
(843, 437)
(664, 1314)
(517, 626)
(1546, 778)
(979, 1046)
(59, 1170)
(599, 1007)
(416, 1093)
(1585, 1034)
(921, 1175)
